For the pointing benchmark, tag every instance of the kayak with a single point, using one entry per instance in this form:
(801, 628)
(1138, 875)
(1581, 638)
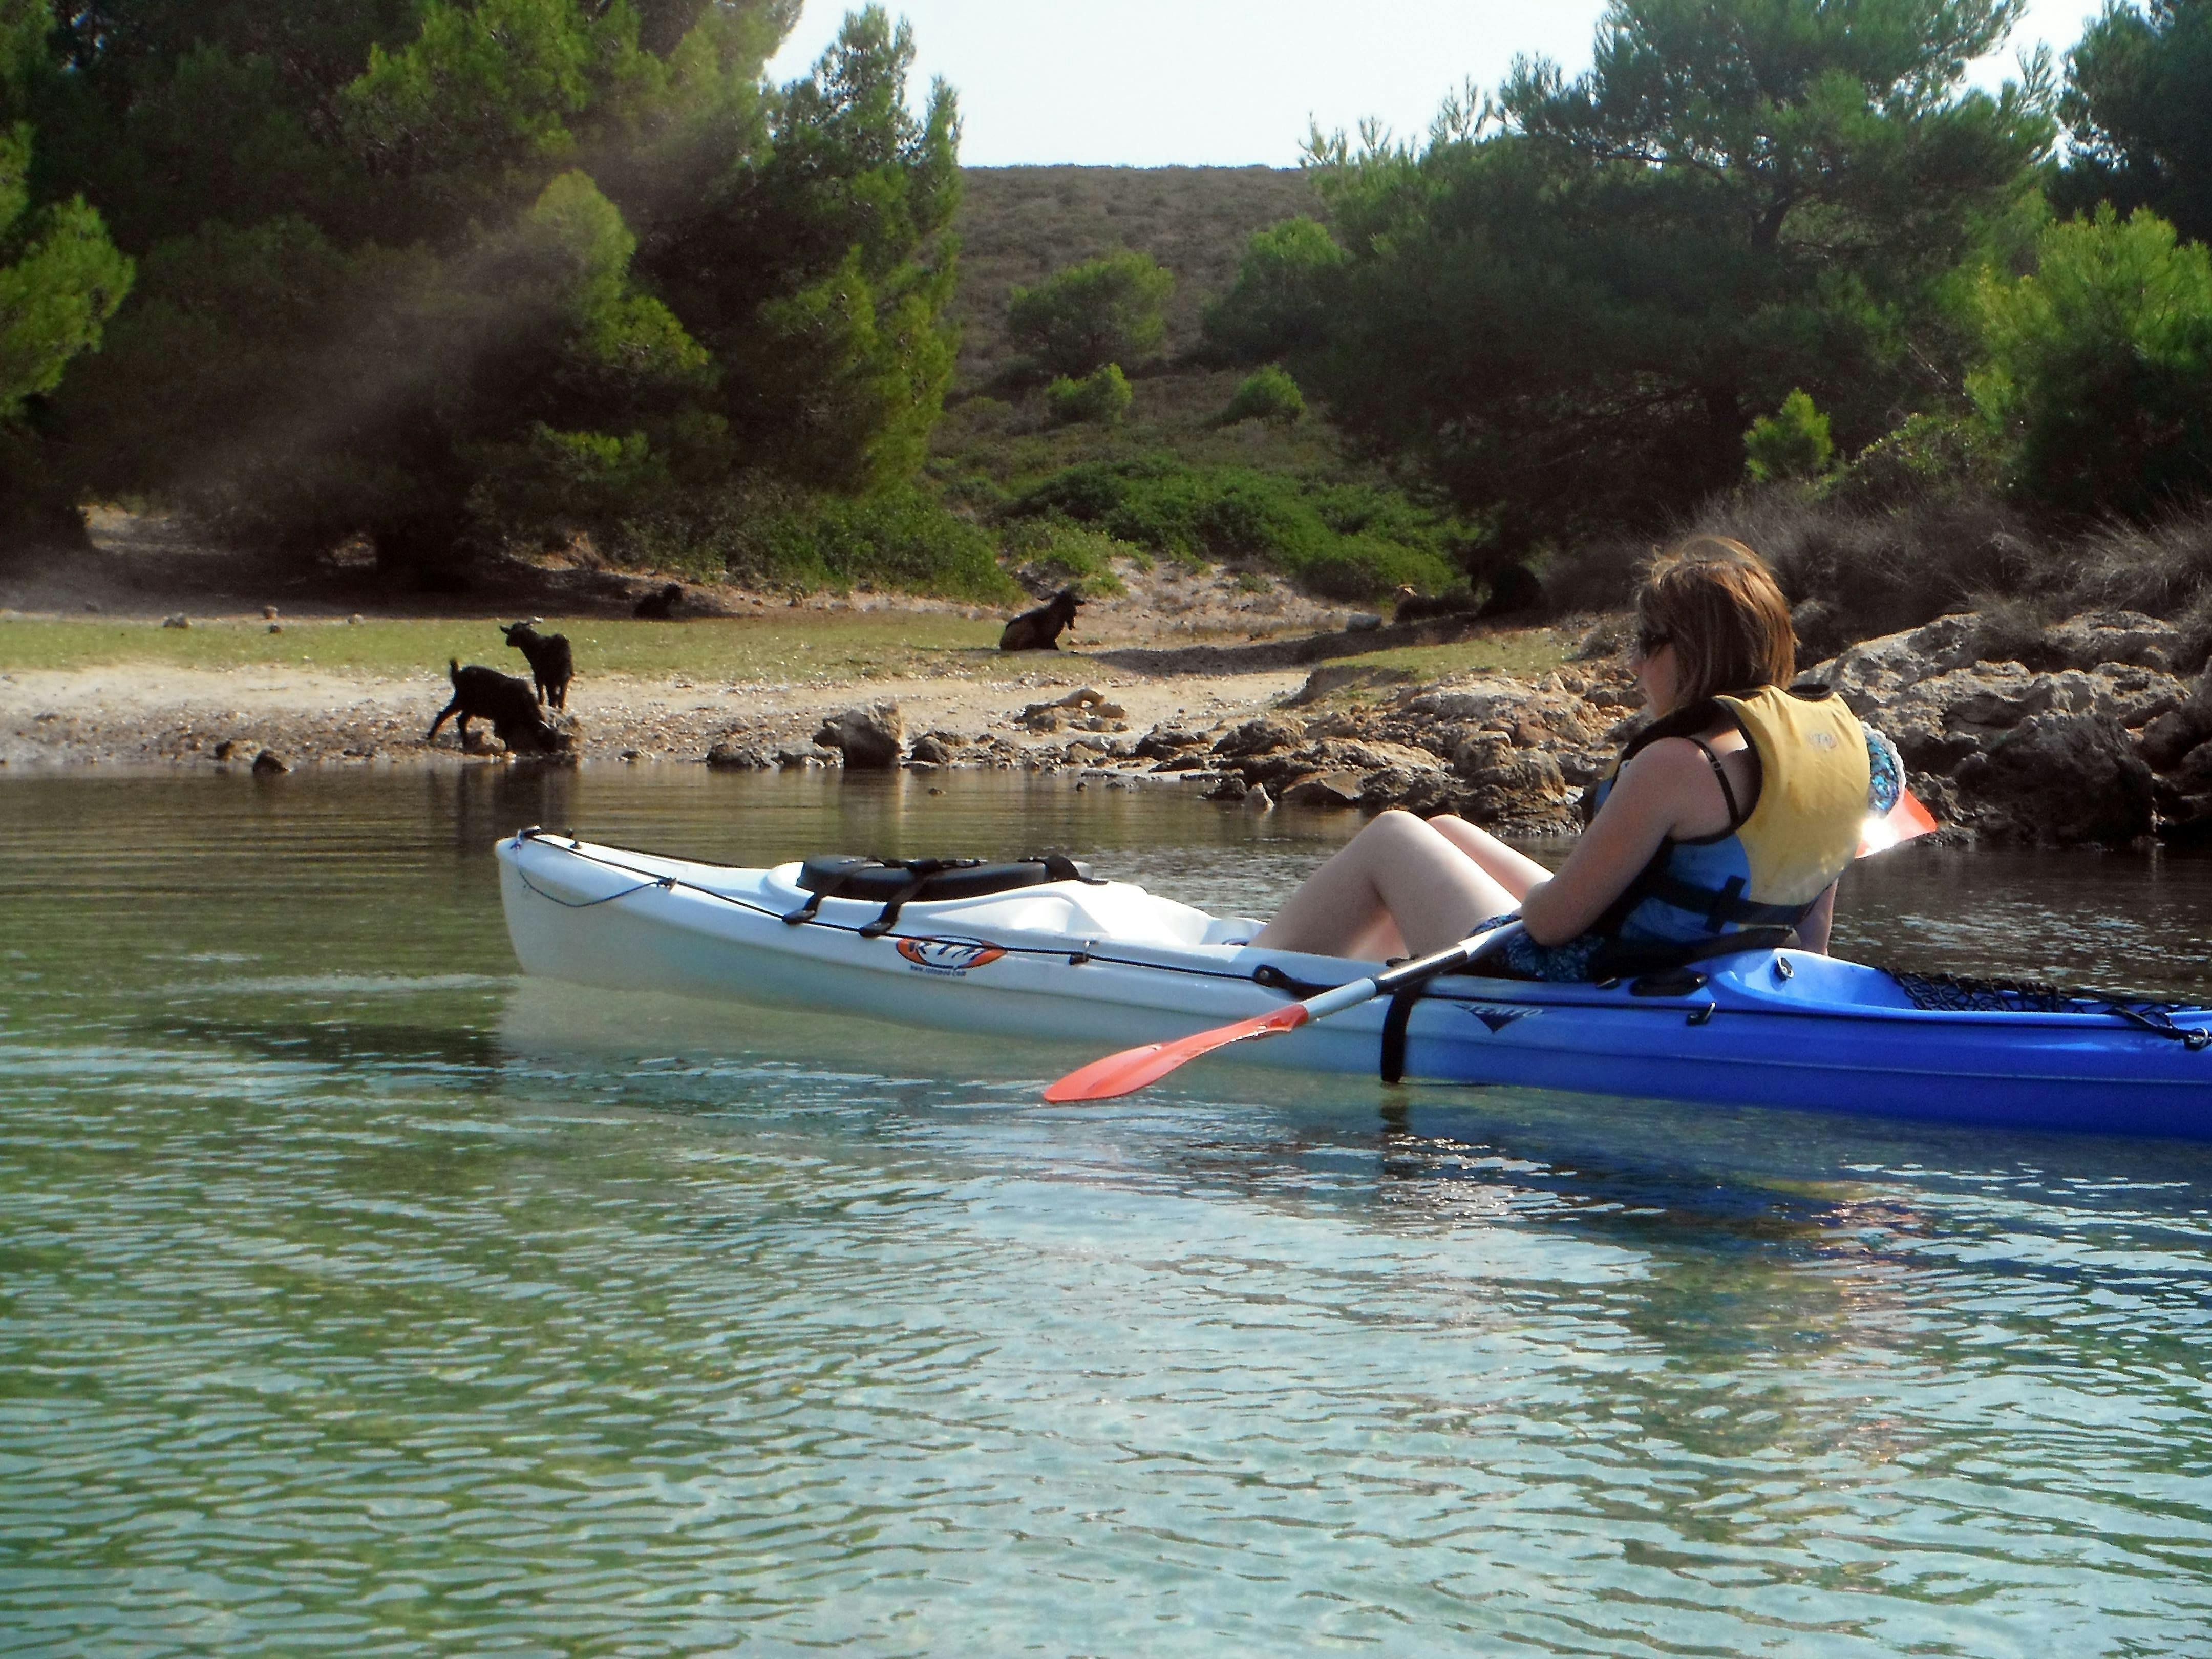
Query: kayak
(1043, 950)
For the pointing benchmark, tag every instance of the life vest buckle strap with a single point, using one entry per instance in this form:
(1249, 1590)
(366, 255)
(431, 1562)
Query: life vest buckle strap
(1721, 906)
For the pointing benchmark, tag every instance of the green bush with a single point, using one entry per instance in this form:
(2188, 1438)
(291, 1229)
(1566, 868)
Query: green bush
(1102, 398)
(2096, 381)
(1341, 541)
(554, 484)
(770, 536)
(1271, 396)
(1926, 455)
(1278, 303)
(1792, 443)
(1104, 311)
(1057, 551)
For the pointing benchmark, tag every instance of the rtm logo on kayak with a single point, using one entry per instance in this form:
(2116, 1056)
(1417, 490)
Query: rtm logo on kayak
(950, 957)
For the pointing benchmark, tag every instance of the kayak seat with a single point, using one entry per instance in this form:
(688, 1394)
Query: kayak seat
(896, 883)
(881, 880)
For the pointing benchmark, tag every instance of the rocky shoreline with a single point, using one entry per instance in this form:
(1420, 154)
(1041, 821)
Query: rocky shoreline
(2082, 734)
(2097, 730)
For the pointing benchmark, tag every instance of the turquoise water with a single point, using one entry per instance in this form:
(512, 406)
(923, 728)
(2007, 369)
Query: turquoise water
(359, 1296)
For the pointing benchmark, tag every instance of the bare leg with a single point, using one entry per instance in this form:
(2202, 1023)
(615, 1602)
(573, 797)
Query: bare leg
(1397, 875)
(1514, 871)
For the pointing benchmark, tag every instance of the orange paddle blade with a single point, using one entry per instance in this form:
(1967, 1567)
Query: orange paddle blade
(1902, 822)
(1132, 1068)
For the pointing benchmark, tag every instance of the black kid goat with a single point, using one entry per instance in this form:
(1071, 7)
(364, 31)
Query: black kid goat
(550, 663)
(1039, 630)
(485, 694)
(660, 606)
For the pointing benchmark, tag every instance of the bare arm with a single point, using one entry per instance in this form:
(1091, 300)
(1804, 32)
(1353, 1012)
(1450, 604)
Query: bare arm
(1813, 931)
(1667, 790)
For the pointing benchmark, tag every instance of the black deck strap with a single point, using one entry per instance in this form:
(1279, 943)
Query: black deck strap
(809, 910)
(1058, 866)
(1394, 1019)
(920, 872)
(2152, 1017)
(1275, 979)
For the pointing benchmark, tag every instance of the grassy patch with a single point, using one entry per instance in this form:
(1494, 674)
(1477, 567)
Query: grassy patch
(809, 647)
(1529, 652)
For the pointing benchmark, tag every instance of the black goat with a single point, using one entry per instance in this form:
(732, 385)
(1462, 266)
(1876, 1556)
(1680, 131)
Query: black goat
(659, 607)
(485, 694)
(550, 663)
(1428, 607)
(1039, 630)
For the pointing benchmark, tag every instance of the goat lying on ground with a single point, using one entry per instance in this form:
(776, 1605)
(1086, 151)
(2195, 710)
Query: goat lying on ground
(550, 663)
(1428, 607)
(485, 694)
(659, 607)
(1039, 630)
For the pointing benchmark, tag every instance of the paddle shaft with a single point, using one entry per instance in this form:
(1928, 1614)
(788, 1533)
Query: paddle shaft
(1132, 1069)
(1393, 979)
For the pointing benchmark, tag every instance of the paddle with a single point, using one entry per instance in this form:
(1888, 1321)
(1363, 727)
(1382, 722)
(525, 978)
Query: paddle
(1132, 1068)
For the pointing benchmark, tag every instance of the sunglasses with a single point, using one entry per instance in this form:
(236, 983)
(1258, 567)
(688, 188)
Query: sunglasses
(1651, 641)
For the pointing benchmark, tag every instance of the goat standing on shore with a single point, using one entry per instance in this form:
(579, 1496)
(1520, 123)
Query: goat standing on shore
(552, 665)
(485, 694)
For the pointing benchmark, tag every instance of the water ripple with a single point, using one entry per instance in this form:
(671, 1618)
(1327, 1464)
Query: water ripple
(357, 1297)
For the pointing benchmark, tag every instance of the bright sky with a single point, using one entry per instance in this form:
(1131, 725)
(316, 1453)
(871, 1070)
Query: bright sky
(1224, 82)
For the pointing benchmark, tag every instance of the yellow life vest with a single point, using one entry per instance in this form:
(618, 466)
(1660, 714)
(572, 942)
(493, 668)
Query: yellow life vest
(1800, 835)
(1813, 780)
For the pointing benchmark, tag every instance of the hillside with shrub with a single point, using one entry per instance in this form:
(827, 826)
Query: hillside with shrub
(552, 278)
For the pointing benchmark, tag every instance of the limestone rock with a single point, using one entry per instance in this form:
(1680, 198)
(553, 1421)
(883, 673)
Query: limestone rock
(929, 750)
(1259, 736)
(730, 755)
(1872, 671)
(2059, 778)
(870, 739)
(1333, 790)
(1164, 741)
(1473, 703)
(2097, 637)
(2179, 730)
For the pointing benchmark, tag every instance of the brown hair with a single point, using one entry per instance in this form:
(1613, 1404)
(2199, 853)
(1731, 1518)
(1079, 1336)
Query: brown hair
(1716, 602)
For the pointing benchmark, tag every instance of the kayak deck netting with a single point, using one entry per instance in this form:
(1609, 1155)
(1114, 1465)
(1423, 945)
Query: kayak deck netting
(1110, 964)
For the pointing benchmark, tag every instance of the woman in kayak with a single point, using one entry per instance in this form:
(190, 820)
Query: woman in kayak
(1738, 805)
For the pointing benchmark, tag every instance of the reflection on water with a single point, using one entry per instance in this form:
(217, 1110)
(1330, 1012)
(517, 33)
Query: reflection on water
(360, 1296)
